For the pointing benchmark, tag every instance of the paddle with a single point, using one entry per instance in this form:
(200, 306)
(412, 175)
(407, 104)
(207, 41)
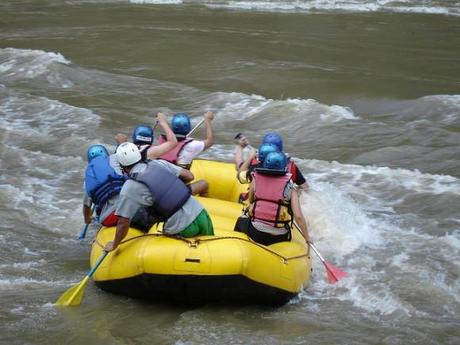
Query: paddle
(333, 273)
(195, 128)
(74, 295)
(82, 233)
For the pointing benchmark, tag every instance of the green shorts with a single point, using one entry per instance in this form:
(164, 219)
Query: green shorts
(202, 225)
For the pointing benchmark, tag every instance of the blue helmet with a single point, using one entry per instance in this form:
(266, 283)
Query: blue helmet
(275, 139)
(275, 161)
(96, 151)
(142, 135)
(265, 149)
(180, 124)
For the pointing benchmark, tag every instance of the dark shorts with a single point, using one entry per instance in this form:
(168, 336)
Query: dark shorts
(143, 220)
(244, 224)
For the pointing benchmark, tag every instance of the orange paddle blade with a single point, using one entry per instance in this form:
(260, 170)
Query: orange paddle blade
(333, 273)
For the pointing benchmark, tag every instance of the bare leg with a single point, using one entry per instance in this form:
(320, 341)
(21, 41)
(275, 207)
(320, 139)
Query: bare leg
(200, 188)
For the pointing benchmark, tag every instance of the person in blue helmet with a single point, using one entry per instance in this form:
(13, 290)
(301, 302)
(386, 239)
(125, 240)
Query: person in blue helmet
(297, 177)
(103, 182)
(188, 148)
(143, 136)
(273, 203)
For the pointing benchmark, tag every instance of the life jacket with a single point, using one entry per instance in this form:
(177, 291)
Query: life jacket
(269, 205)
(172, 155)
(168, 192)
(102, 181)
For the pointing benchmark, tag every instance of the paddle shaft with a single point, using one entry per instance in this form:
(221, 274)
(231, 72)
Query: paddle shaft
(195, 128)
(333, 273)
(312, 246)
(85, 228)
(99, 261)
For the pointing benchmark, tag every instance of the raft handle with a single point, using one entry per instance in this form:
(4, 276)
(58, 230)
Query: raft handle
(192, 260)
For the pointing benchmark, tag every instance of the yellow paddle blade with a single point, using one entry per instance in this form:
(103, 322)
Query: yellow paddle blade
(73, 295)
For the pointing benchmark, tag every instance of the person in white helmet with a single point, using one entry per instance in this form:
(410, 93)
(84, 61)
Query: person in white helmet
(156, 186)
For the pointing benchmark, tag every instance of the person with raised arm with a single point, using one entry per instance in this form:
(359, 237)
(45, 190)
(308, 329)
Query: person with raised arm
(143, 136)
(188, 148)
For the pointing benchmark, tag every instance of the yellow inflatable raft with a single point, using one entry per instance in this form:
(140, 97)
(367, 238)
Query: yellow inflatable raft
(228, 267)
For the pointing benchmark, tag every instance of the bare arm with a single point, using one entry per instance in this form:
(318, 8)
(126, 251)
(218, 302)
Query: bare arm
(251, 193)
(247, 162)
(242, 143)
(122, 230)
(186, 175)
(156, 151)
(121, 138)
(298, 215)
(304, 186)
(87, 214)
(209, 116)
(238, 157)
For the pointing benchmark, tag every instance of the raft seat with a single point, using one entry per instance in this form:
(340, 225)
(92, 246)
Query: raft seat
(221, 177)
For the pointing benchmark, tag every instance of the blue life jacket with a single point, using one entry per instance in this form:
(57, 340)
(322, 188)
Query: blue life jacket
(102, 181)
(168, 191)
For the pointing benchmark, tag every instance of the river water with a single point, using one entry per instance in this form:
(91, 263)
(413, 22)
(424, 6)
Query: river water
(365, 93)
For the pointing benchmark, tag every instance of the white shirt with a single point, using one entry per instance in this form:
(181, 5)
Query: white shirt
(190, 151)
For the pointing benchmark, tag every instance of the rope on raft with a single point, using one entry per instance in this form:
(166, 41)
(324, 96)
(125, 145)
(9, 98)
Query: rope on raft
(196, 242)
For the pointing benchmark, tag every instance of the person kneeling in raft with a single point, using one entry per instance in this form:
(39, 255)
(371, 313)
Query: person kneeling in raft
(155, 186)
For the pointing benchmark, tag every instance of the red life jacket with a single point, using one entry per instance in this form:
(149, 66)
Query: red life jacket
(269, 205)
(171, 156)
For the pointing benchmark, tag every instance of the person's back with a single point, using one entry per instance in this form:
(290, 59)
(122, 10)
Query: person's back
(102, 185)
(272, 202)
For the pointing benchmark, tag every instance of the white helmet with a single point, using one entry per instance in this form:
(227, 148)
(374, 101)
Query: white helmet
(128, 154)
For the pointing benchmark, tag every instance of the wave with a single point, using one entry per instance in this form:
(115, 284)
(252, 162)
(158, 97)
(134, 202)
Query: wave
(17, 64)
(314, 6)
(239, 107)
(23, 282)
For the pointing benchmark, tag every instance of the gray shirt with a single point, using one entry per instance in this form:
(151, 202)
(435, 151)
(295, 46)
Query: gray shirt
(135, 195)
(111, 204)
